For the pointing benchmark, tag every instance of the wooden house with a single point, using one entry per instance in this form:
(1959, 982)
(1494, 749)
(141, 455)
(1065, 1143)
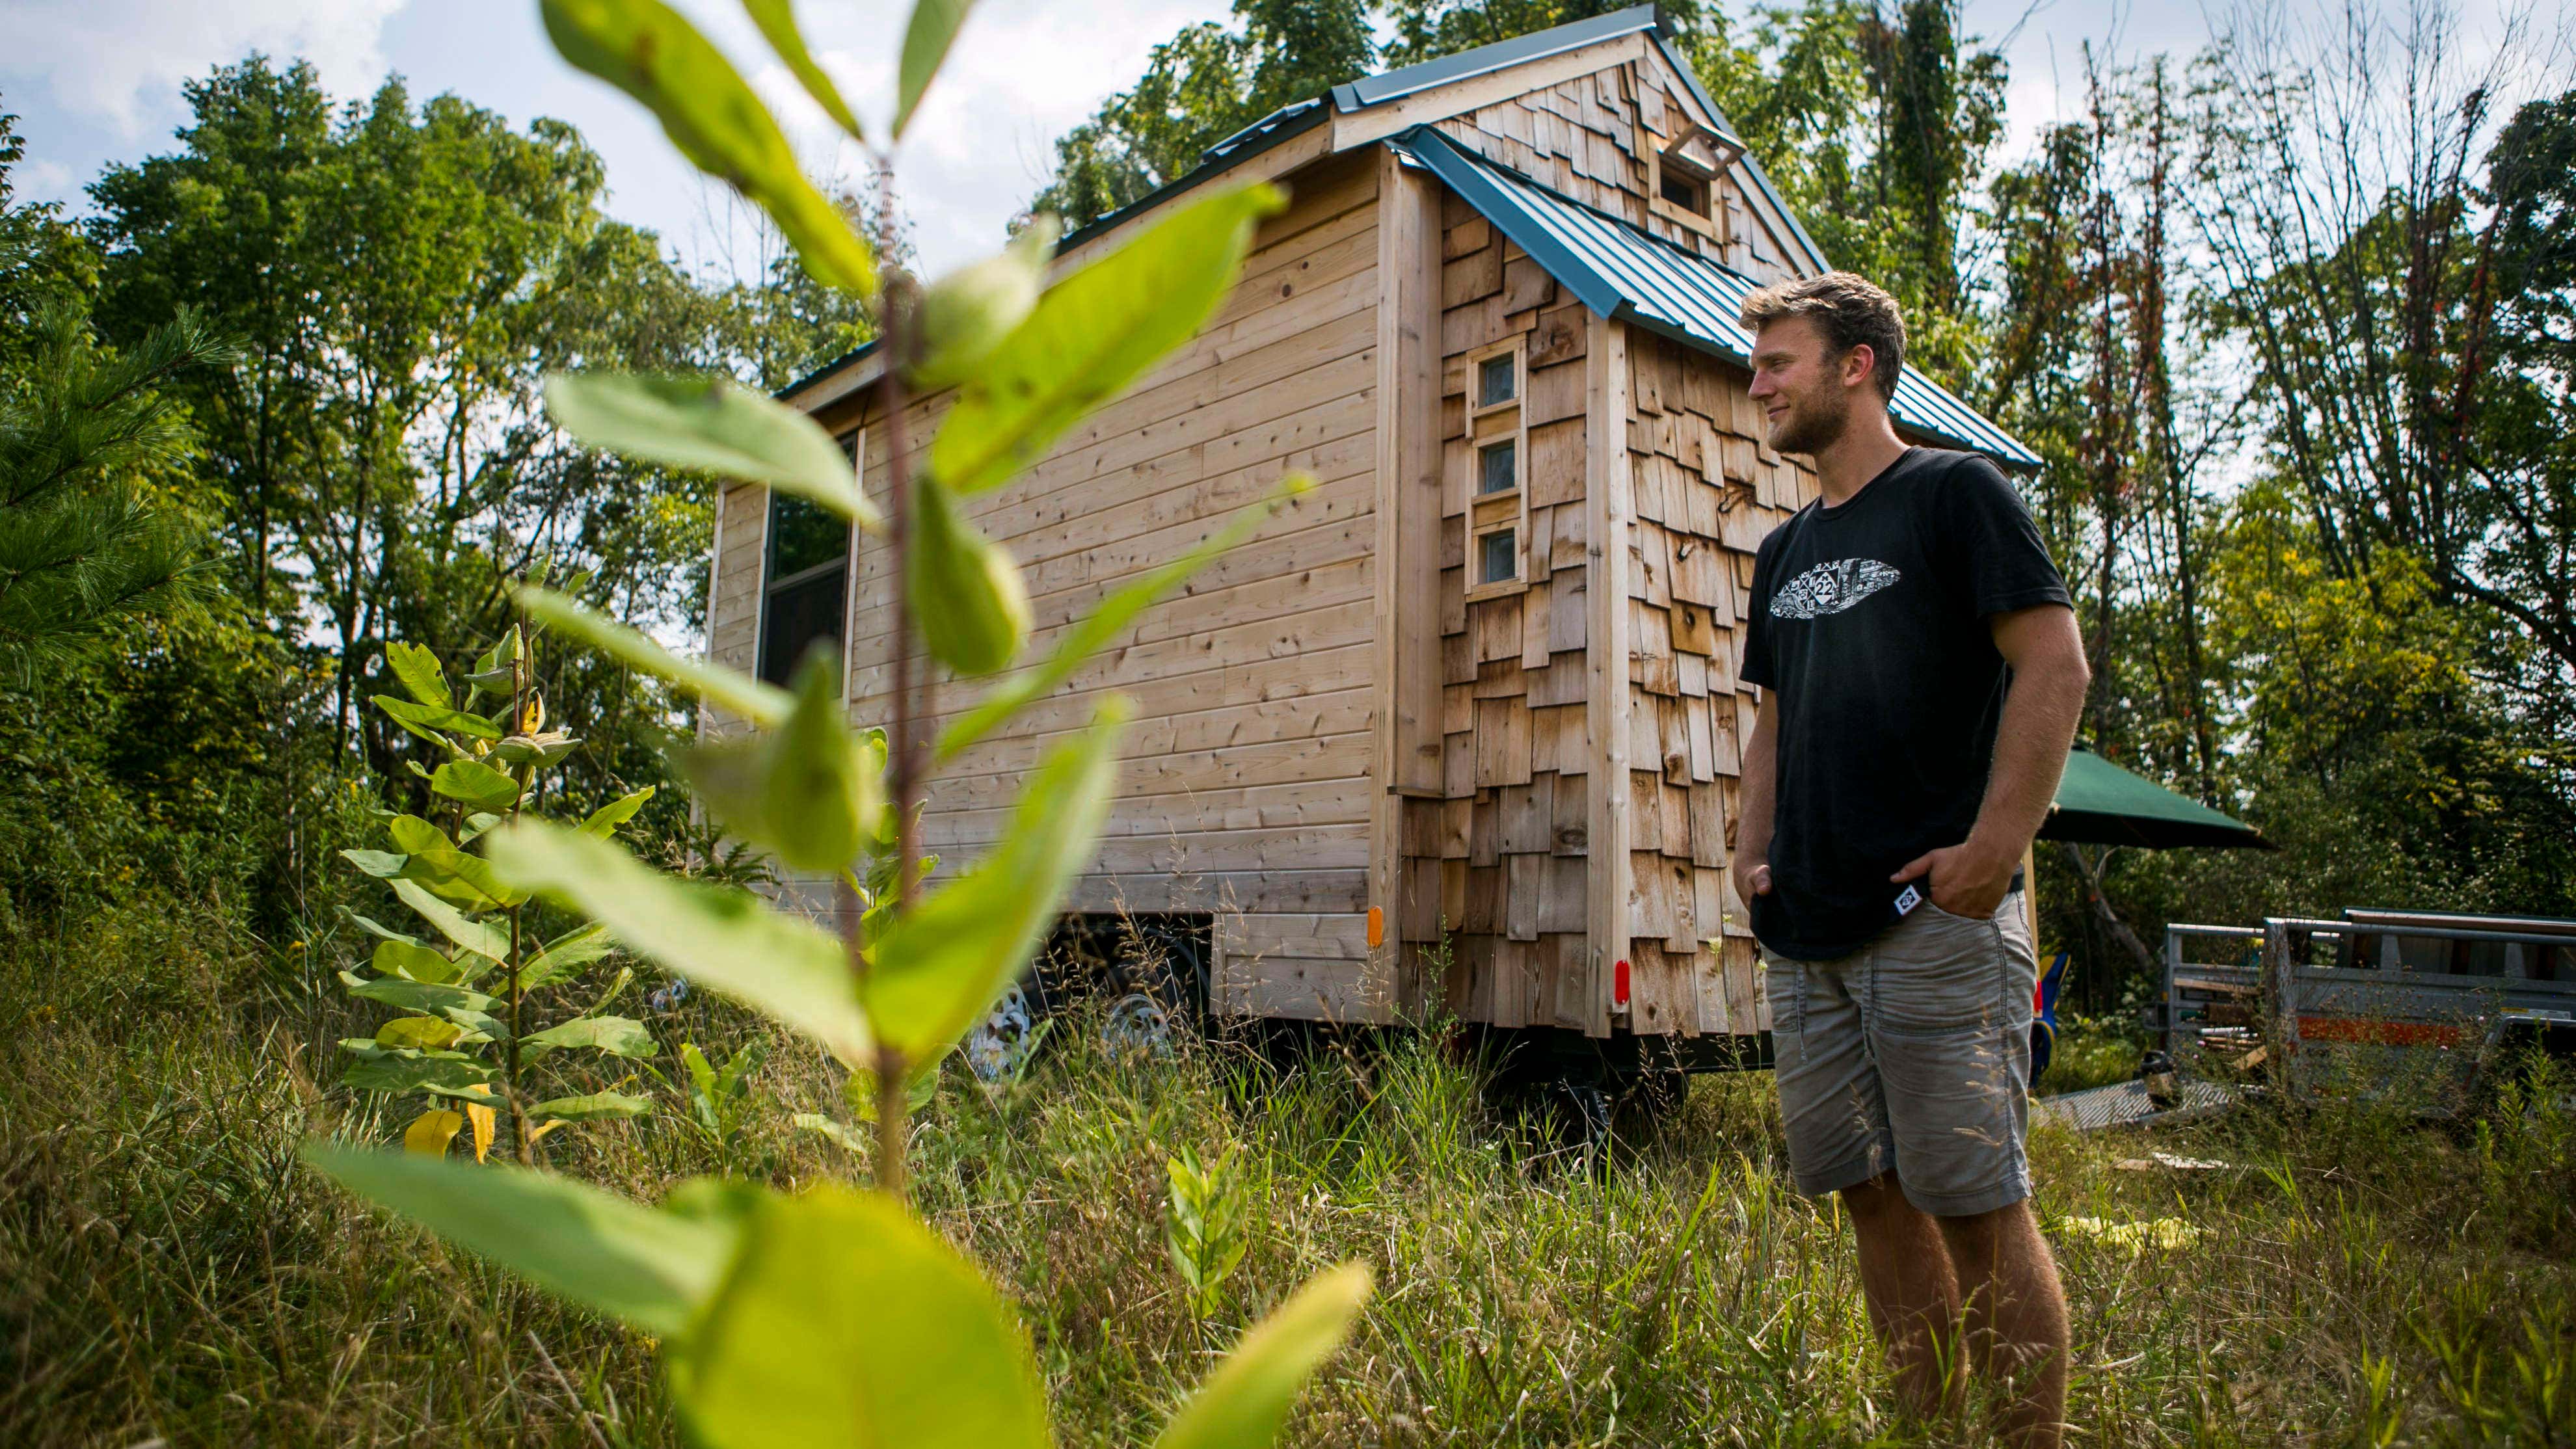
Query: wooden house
(1482, 681)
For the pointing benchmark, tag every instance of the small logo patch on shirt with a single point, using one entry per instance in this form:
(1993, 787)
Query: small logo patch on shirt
(1830, 588)
(1906, 902)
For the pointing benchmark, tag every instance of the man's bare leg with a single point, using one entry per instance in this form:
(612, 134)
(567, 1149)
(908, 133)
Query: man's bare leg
(2016, 1318)
(1913, 1295)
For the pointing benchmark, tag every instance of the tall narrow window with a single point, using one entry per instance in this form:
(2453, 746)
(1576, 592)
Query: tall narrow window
(1498, 557)
(1494, 380)
(804, 583)
(1498, 467)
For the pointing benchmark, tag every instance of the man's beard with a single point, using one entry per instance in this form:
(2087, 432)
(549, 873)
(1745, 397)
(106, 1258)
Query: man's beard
(1809, 430)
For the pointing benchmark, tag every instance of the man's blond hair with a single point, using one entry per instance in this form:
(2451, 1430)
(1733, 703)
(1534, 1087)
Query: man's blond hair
(1848, 309)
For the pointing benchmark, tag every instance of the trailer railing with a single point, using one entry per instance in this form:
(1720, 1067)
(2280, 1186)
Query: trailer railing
(2381, 990)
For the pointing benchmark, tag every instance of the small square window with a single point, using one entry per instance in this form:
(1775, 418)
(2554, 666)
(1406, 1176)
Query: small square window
(1494, 381)
(1498, 557)
(1497, 470)
(1687, 192)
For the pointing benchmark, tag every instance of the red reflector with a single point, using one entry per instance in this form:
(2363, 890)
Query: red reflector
(1619, 983)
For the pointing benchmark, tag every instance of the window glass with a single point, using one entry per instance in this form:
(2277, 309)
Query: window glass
(1494, 381)
(1496, 560)
(1684, 192)
(804, 592)
(802, 535)
(1498, 475)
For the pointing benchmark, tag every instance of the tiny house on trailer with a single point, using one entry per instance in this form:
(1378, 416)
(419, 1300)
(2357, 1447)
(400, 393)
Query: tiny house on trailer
(1482, 681)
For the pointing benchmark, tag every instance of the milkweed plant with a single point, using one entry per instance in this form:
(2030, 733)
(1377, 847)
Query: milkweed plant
(832, 1316)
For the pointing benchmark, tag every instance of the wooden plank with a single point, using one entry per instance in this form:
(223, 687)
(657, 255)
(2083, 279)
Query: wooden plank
(1525, 878)
(1298, 990)
(1529, 814)
(1607, 509)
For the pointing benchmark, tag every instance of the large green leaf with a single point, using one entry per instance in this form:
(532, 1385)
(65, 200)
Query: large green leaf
(726, 940)
(593, 1107)
(564, 955)
(438, 717)
(417, 668)
(777, 22)
(413, 962)
(1243, 1404)
(402, 1070)
(938, 968)
(967, 596)
(934, 28)
(1107, 622)
(602, 822)
(618, 1036)
(414, 995)
(846, 1321)
(647, 50)
(966, 314)
(650, 1268)
(479, 785)
(739, 694)
(1093, 334)
(709, 424)
(480, 937)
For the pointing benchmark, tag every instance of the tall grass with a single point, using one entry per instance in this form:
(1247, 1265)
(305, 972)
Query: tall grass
(167, 1271)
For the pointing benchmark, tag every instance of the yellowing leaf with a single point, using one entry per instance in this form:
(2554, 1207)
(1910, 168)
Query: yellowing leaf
(431, 1131)
(485, 1122)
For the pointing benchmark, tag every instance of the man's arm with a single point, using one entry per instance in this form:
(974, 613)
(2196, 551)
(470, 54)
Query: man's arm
(2041, 708)
(1754, 790)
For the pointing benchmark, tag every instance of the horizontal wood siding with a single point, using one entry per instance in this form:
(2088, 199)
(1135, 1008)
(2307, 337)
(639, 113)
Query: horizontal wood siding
(1245, 787)
(733, 604)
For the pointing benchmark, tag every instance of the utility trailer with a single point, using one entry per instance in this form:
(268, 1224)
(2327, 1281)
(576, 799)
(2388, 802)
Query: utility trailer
(1461, 725)
(2434, 996)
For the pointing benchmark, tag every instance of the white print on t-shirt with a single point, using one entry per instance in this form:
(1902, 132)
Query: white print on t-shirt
(1831, 588)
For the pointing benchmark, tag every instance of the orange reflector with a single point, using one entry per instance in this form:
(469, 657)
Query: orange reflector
(1377, 928)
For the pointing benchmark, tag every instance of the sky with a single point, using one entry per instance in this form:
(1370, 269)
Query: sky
(98, 81)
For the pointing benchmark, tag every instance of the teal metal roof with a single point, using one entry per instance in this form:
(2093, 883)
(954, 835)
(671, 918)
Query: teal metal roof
(1629, 275)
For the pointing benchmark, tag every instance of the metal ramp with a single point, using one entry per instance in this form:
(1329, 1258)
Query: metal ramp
(2125, 1104)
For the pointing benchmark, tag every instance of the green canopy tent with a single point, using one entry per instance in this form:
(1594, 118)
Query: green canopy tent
(2098, 803)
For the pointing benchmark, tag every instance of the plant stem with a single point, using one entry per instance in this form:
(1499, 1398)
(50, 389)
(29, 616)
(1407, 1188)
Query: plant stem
(520, 1148)
(904, 752)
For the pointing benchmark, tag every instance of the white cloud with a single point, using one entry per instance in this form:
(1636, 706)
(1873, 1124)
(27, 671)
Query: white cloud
(119, 60)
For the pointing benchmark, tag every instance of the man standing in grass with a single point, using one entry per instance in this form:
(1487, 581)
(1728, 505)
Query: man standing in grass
(1922, 676)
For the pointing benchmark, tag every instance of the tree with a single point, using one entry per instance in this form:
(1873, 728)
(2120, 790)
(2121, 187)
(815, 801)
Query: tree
(83, 543)
(1201, 86)
(402, 275)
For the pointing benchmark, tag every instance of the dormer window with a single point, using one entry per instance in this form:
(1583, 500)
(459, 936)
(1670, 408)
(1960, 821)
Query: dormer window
(1685, 179)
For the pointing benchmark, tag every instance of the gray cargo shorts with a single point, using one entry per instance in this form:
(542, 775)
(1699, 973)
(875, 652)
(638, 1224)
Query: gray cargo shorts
(1911, 1055)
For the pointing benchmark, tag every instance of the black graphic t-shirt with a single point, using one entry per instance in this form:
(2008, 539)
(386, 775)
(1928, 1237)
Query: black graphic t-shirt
(1869, 628)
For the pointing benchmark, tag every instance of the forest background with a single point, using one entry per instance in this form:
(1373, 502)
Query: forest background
(2291, 321)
